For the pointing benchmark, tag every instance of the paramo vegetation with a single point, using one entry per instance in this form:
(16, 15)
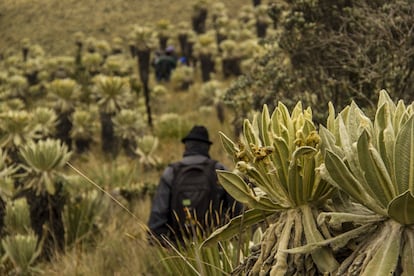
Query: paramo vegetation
(311, 102)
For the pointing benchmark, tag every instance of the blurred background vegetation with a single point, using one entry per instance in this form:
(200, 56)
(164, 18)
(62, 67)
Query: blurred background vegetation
(53, 24)
(79, 71)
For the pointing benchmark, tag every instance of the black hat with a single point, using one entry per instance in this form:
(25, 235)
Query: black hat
(197, 133)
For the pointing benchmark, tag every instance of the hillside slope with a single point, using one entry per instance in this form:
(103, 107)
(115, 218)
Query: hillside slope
(52, 23)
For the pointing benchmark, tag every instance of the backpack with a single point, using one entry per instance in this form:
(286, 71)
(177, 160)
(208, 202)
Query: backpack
(195, 196)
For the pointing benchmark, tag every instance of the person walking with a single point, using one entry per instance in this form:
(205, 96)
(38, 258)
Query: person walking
(164, 64)
(189, 201)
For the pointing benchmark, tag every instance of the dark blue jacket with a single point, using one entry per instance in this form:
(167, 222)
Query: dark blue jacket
(161, 213)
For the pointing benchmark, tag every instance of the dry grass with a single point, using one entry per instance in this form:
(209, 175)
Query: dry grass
(123, 251)
(52, 23)
(121, 247)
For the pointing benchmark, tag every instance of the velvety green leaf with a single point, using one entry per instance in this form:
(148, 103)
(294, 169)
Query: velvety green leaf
(404, 157)
(308, 127)
(255, 123)
(309, 177)
(401, 208)
(323, 257)
(407, 255)
(385, 258)
(400, 112)
(295, 184)
(347, 139)
(404, 118)
(266, 133)
(377, 180)
(344, 114)
(336, 219)
(342, 176)
(281, 158)
(321, 189)
(298, 123)
(340, 173)
(384, 134)
(297, 110)
(301, 176)
(301, 151)
(276, 124)
(307, 113)
(235, 186)
(48, 183)
(386, 180)
(249, 135)
(262, 181)
(288, 131)
(236, 225)
(228, 145)
(329, 142)
(336, 241)
(279, 188)
(330, 122)
(387, 149)
(384, 98)
(240, 191)
(283, 114)
(264, 203)
(353, 121)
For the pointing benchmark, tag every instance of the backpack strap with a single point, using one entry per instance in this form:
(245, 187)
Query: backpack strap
(175, 167)
(213, 177)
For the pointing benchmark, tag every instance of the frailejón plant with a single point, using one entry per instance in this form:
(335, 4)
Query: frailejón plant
(373, 162)
(275, 175)
(44, 159)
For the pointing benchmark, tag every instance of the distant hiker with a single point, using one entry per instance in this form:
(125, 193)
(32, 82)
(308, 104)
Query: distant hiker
(189, 199)
(164, 64)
